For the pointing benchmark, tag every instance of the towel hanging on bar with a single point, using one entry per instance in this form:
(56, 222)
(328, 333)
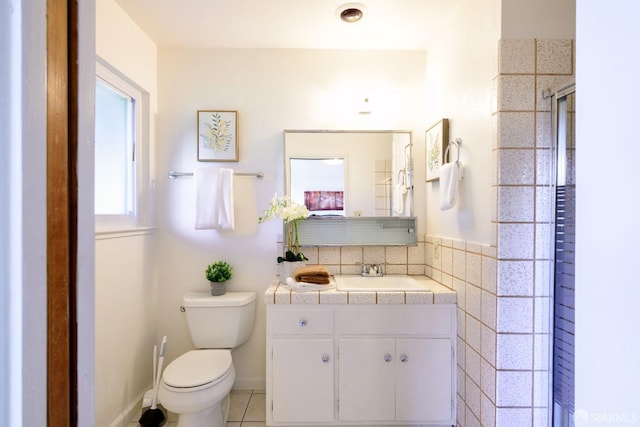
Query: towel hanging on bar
(450, 175)
(214, 199)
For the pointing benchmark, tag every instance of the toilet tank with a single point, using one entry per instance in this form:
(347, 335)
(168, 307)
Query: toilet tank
(223, 321)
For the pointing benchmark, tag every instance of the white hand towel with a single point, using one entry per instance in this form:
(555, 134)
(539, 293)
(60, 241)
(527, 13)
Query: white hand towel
(304, 286)
(214, 198)
(450, 175)
(226, 217)
(398, 198)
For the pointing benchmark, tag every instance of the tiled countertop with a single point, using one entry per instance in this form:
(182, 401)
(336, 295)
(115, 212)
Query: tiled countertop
(279, 293)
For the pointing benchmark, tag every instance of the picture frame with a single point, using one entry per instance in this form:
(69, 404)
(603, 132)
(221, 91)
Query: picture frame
(217, 136)
(436, 141)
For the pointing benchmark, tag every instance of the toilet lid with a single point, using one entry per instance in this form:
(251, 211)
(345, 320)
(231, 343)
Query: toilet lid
(197, 367)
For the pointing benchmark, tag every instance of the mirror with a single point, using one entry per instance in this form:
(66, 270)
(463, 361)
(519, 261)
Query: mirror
(350, 173)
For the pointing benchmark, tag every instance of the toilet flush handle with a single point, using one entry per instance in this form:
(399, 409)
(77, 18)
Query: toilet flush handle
(182, 309)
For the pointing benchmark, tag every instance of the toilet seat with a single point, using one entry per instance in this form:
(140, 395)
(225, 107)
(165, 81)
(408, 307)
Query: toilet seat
(197, 369)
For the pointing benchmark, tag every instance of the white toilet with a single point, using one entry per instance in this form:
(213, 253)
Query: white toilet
(196, 385)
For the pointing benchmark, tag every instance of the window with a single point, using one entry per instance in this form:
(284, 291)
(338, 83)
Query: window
(120, 151)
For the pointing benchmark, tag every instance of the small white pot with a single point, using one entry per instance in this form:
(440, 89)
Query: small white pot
(287, 269)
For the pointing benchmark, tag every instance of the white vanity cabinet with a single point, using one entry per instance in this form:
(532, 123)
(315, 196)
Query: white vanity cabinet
(300, 365)
(395, 380)
(361, 364)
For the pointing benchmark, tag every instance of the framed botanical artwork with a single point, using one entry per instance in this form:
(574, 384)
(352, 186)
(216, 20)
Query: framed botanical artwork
(217, 136)
(436, 140)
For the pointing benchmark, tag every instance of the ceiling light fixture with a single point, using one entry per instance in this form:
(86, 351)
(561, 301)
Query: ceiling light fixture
(350, 12)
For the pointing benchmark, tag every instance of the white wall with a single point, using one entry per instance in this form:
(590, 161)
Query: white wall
(125, 285)
(542, 19)
(23, 234)
(460, 70)
(607, 285)
(272, 90)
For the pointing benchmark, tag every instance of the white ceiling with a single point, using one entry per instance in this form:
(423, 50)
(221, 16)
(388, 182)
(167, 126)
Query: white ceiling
(304, 24)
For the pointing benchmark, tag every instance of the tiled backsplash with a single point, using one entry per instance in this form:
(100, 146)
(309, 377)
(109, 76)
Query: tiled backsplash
(349, 259)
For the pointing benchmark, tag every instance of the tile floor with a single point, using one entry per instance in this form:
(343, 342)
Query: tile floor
(247, 410)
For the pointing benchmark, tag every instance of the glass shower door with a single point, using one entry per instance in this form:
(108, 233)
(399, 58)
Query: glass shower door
(563, 352)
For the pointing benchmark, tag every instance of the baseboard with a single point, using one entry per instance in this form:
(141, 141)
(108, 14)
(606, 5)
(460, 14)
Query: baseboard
(129, 413)
(250, 384)
(132, 411)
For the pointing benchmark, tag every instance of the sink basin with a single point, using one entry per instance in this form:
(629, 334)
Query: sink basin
(380, 284)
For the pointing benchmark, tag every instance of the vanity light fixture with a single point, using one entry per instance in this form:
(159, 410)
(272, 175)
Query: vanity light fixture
(351, 12)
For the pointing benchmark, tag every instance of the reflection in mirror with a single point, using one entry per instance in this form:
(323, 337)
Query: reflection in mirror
(350, 173)
(319, 184)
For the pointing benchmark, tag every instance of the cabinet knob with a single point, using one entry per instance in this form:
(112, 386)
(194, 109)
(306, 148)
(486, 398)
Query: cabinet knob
(387, 357)
(302, 323)
(404, 358)
(325, 358)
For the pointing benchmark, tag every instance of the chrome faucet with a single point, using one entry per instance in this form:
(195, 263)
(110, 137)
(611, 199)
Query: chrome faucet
(373, 270)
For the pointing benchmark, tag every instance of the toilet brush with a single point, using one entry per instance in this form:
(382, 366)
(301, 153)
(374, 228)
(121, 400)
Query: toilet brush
(154, 416)
(148, 395)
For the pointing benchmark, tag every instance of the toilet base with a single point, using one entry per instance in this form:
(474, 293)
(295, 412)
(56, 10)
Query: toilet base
(195, 409)
(215, 416)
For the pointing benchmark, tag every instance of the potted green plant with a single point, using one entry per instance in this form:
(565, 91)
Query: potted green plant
(218, 272)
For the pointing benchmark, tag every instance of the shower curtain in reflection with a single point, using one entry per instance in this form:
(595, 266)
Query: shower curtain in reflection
(563, 373)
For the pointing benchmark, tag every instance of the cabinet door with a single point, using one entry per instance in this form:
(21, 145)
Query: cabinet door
(424, 379)
(303, 377)
(366, 379)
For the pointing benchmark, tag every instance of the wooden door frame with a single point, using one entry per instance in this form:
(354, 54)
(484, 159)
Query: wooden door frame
(62, 199)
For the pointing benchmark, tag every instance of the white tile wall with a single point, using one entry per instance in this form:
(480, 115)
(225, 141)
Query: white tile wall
(516, 167)
(515, 315)
(473, 334)
(472, 366)
(516, 129)
(515, 241)
(488, 412)
(459, 263)
(513, 417)
(554, 56)
(488, 345)
(474, 268)
(472, 397)
(515, 204)
(489, 309)
(488, 380)
(515, 278)
(516, 56)
(514, 388)
(515, 351)
(473, 301)
(516, 92)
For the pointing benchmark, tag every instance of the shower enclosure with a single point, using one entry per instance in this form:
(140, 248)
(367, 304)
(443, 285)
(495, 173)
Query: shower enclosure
(563, 260)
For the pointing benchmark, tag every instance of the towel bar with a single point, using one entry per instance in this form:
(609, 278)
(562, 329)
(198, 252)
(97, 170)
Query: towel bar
(456, 143)
(174, 174)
